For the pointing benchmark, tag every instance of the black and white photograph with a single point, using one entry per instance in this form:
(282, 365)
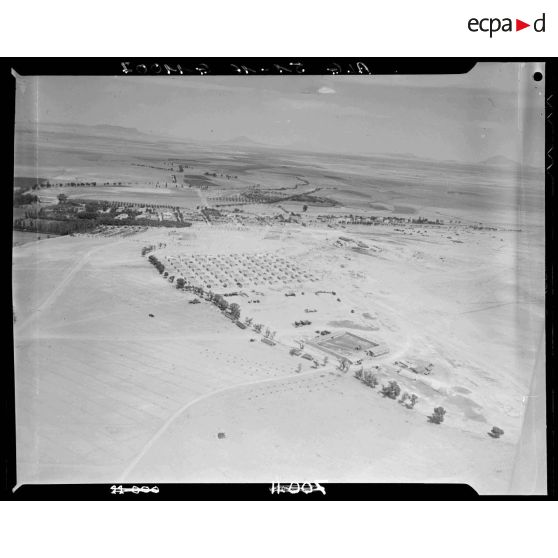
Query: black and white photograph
(269, 279)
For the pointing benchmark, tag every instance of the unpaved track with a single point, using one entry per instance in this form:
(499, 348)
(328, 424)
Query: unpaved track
(59, 289)
(125, 475)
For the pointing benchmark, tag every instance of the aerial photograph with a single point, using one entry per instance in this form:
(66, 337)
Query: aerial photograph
(258, 279)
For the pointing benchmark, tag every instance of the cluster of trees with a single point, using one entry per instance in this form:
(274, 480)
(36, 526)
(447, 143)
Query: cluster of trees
(24, 199)
(392, 390)
(158, 265)
(32, 213)
(68, 212)
(48, 226)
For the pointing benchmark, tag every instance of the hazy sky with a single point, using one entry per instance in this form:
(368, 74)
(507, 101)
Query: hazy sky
(497, 109)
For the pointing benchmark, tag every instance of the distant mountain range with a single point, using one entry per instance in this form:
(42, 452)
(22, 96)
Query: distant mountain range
(98, 130)
(133, 134)
(241, 140)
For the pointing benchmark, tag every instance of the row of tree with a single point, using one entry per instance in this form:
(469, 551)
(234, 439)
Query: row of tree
(54, 226)
(71, 184)
(158, 265)
(392, 390)
(233, 309)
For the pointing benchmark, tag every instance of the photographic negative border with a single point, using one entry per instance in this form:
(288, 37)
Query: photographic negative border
(245, 67)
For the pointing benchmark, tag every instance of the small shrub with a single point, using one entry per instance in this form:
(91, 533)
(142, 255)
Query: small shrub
(359, 374)
(412, 401)
(438, 416)
(496, 432)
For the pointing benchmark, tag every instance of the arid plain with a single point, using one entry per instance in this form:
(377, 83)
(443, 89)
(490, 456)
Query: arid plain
(124, 375)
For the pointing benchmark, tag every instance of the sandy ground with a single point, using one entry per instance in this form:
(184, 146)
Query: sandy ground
(321, 426)
(105, 392)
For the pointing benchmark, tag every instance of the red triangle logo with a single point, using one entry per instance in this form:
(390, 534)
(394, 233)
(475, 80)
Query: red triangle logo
(519, 25)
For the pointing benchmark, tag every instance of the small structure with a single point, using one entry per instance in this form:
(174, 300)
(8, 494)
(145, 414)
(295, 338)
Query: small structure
(378, 350)
(122, 216)
(268, 341)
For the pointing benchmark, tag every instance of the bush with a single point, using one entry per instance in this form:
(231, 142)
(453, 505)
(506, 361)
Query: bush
(392, 390)
(438, 416)
(235, 310)
(409, 400)
(359, 374)
(496, 432)
(370, 379)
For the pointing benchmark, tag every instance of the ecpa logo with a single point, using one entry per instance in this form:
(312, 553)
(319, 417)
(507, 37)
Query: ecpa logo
(494, 24)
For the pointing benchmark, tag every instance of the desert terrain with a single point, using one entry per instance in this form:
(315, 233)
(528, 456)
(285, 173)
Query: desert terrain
(133, 366)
